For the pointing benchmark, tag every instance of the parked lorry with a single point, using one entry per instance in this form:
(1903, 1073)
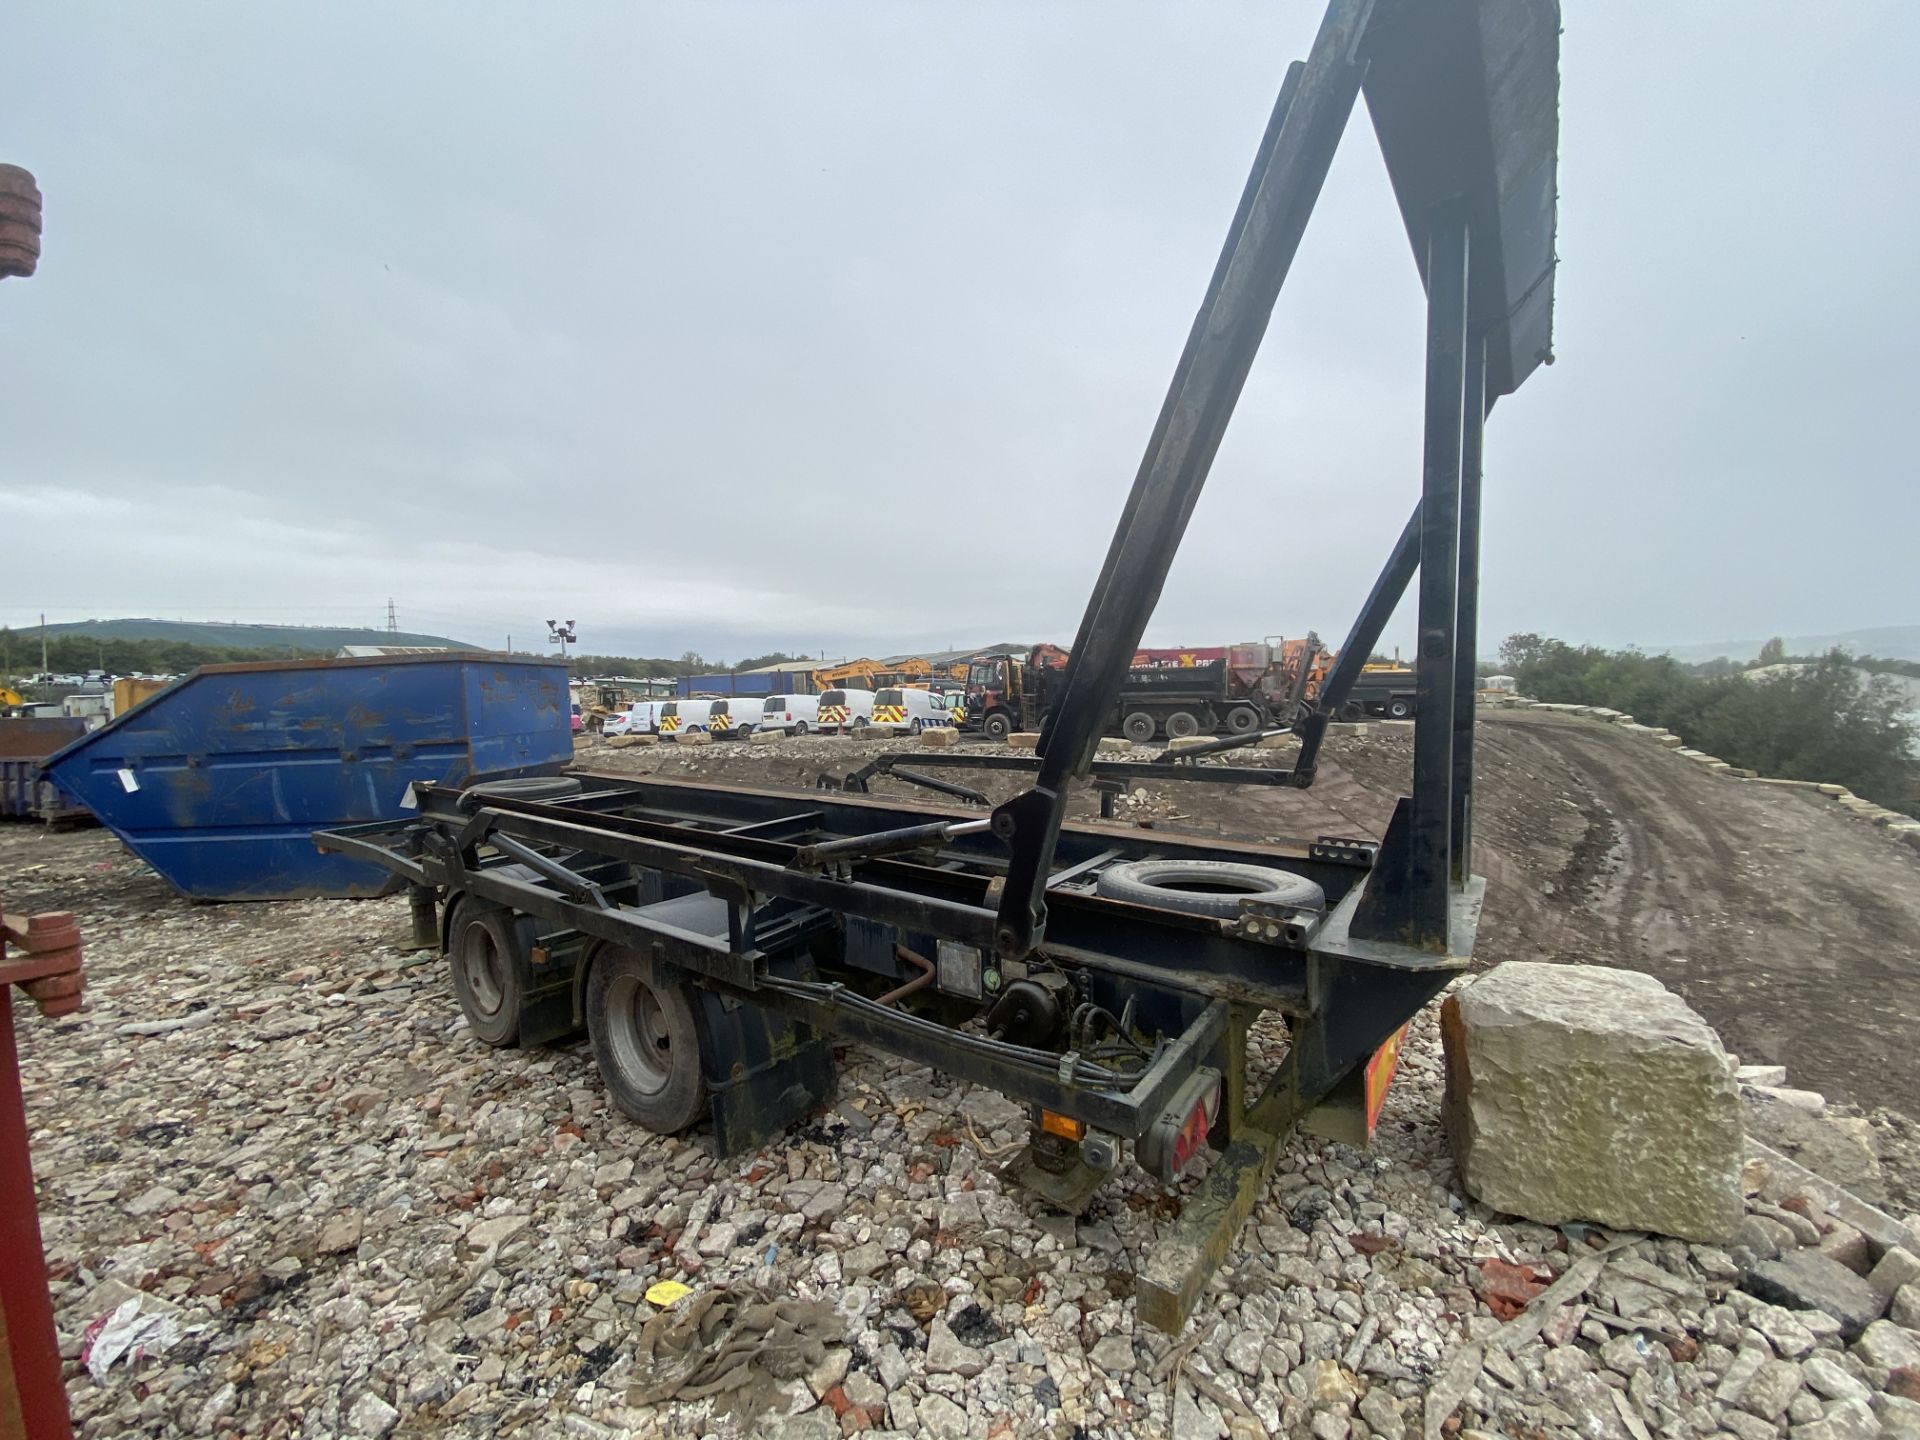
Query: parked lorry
(1381, 690)
(1175, 692)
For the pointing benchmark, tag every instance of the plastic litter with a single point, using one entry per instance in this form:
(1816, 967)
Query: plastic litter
(139, 1325)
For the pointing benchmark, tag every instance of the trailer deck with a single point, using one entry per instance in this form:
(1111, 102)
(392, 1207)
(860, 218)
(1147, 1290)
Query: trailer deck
(713, 940)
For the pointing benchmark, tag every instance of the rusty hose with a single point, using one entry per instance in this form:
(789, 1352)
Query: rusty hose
(918, 982)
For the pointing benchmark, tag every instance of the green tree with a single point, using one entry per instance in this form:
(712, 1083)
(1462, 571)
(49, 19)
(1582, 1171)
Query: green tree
(1774, 652)
(1814, 721)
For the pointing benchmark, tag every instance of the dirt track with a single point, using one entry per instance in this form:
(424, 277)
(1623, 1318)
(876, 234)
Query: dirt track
(1792, 927)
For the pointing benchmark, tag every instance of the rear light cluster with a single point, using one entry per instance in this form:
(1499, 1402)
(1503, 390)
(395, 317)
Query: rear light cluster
(1173, 1141)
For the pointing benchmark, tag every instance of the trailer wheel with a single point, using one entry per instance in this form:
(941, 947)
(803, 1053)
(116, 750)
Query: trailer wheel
(1181, 724)
(486, 981)
(1242, 720)
(1207, 887)
(998, 725)
(1138, 727)
(644, 1041)
(1399, 707)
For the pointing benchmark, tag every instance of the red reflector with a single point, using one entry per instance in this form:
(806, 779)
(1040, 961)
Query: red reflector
(1193, 1131)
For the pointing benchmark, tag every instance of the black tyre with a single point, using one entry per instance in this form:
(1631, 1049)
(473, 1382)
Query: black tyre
(998, 725)
(1181, 724)
(915, 728)
(799, 727)
(525, 787)
(1207, 887)
(1399, 708)
(486, 976)
(1139, 727)
(1243, 720)
(744, 732)
(1353, 710)
(645, 1041)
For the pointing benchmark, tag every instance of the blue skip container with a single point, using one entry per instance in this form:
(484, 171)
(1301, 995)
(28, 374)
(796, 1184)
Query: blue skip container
(219, 781)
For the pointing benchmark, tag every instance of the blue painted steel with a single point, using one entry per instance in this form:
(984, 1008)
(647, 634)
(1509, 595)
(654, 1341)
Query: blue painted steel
(762, 682)
(219, 781)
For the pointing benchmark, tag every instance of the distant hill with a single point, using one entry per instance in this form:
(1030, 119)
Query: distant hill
(1890, 642)
(240, 637)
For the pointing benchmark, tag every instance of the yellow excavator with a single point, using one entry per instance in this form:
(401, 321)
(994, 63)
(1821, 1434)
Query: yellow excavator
(873, 675)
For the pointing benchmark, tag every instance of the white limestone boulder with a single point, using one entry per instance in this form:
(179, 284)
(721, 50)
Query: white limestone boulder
(1576, 1092)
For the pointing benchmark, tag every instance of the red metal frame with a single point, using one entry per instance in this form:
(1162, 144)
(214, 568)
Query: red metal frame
(33, 1401)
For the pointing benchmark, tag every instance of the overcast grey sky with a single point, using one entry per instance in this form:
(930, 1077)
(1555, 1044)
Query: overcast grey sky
(842, 327)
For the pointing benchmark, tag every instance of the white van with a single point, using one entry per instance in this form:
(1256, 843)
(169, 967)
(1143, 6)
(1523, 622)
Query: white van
(909, 710)
(640, 719)
(795, 714)
(732, 717)
(846, 709)
(678, 716)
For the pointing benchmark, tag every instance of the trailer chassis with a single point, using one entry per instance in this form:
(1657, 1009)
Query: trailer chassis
(793, 919)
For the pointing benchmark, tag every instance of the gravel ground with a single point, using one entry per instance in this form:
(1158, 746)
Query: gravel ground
(344, 1216)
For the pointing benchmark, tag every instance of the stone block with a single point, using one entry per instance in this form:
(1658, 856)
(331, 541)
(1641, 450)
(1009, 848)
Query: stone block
(1024, 740)
(941, 737)
(1898, 1267)
(1576, 1092)
(766, 737)
(692, 737)
(1885, 1347)
(1849, 1246)
(1808, 1280)
(1905, 1310)
(1811, 1101)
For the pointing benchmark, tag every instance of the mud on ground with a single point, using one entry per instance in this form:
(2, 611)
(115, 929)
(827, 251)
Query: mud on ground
(1794, 928)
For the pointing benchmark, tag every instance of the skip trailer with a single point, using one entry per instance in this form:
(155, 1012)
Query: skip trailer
(714, 940)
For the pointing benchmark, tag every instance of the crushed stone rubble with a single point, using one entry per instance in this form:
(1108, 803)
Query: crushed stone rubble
(328, 1211)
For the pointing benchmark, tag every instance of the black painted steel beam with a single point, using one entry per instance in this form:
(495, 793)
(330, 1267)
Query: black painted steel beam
(1430, 867)
(1466, 638)
(1289, 169)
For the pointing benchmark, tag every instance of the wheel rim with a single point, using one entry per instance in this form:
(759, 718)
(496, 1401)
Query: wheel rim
(484, 969)
(638, 1034)
(915, 727)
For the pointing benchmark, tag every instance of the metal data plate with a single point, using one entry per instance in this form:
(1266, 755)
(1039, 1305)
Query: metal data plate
(957, 970)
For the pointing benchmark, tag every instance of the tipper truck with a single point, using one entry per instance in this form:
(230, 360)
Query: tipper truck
(1177, 692)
